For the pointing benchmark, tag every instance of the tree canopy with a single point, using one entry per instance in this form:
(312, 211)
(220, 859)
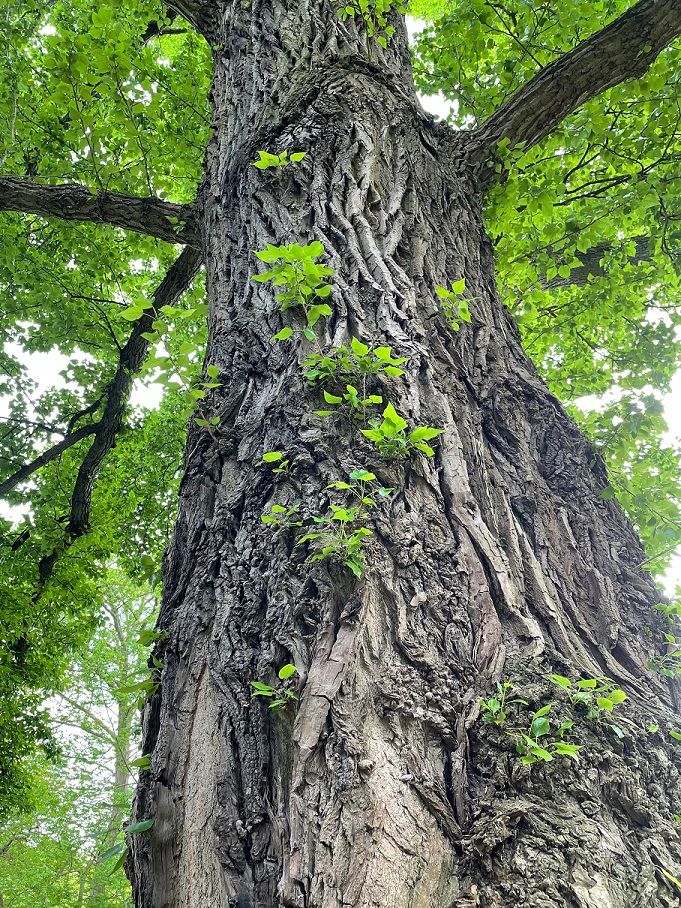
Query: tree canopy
(111, 104)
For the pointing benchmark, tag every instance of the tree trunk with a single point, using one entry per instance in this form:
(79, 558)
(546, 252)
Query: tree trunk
(494, 560)
(120, 791)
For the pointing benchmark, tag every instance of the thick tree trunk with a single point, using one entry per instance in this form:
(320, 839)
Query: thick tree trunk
(496, 559)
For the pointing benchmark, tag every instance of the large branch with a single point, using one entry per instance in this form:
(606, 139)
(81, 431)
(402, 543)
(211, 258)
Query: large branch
(46, 457)
(131, 358)
(73, 202)
(623, 50)
(201, 14)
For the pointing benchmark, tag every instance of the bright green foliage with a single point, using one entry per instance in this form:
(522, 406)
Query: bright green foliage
(392, 440)
(89, 93)
(266, 159)
(349, 403)
(454, 305)
(84, 99)
(601, 191)
(669, 663)
(282, 517)
(283, 464)
(353, 363)
(280, 696)
(341, 533)
(303, 279)
(541, 738)
(596, 698)
(541, 743)
(80, 801)
(494, 709)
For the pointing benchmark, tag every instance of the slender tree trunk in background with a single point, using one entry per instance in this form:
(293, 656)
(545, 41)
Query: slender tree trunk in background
(121, 789)
(496, 559)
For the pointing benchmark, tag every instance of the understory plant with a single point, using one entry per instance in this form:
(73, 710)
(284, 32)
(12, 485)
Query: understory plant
(392, 440)
(669, 662)
(351, 364)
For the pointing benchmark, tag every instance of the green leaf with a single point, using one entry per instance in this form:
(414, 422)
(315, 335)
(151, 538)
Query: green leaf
(143, 762)
(540, 726)
(393, 417)
(424, 433)
(358, 347)
(132, 313)
(272, 456)
(567, 750)
(287, 671)
(113, 851)
(141, 826)
(561, 680)
(284, 334)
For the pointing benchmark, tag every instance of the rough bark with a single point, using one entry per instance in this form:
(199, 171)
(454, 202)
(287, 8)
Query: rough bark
(497, 559)
(71, 202)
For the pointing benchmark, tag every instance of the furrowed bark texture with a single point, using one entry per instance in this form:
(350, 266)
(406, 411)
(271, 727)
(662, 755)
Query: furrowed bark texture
(496, 559)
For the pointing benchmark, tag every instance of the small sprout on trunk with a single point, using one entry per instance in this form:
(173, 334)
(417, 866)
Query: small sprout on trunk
(280, 696)
(393, 441)
(267, 160)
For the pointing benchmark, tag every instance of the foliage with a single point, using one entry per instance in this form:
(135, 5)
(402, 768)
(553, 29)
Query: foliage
(280, 696)
(585, 231)
(303, 279)
(541, 738)
(266, 159)
(349, 403)
(668, 663)
(56, 848)
(340, 534)
(392, 440)
(453, 303)
(354, 363)
(374, 14)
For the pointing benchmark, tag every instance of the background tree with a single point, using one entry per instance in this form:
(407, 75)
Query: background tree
(51, 855)
(501, 556)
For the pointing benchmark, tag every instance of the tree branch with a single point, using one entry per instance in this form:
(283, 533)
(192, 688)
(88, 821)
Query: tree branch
(623, 50)
(73, 202)
(46, 457)
(131, 358)
(592, 267)
(201, 14)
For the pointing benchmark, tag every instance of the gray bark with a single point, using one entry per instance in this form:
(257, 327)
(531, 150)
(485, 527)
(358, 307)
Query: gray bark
(72, 202)
(497, 559)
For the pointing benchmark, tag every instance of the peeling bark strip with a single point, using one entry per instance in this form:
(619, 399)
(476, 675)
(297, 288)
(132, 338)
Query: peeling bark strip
(496, 559)
(71, 202)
